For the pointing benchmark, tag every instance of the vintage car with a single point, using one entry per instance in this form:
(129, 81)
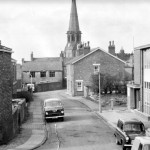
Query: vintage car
(141, 143)
(127, 130)
(53, 109)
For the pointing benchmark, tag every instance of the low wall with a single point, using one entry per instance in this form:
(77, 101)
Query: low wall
(22, 110)
(48, 86)
(15, 120)
(18, 114)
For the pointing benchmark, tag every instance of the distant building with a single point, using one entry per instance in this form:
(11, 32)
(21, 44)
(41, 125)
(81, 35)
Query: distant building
(122, 55)
(80, 70)
(43, 71)
(127, 57)
(138, 92)
(14, 76)
(19, 77)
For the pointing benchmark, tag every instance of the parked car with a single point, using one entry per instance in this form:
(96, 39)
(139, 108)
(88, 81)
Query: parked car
(127, 130)
(141, 143)
(53, 109)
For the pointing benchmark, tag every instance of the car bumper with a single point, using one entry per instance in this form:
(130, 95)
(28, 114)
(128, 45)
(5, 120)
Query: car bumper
(128, 145)
(53, 117)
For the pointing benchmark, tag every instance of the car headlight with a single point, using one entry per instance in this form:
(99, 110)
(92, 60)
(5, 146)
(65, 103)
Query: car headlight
(127, 138)
(62, 111)
(46, 113)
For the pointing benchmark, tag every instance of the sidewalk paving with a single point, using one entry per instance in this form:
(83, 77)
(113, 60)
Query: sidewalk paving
(35, 126)
(112, 116)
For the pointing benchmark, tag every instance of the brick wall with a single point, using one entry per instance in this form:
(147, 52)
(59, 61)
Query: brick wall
(108, 64)
(5, 96)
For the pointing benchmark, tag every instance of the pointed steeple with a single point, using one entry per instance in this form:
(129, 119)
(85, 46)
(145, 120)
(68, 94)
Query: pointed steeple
(74, 33)
(74, 23)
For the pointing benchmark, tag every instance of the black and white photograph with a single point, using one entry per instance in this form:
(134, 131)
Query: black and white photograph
(74, 75)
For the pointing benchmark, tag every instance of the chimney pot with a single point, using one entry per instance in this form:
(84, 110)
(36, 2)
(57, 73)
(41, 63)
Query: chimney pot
(110, 43)
(88, 43)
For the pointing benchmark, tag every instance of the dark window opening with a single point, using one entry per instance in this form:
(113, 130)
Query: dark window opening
(32, 74)
(43, 73)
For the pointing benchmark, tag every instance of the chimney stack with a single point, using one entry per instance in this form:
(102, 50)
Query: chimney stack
(31, 56)
(111, 48)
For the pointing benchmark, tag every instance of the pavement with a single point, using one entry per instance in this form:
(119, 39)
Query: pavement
(37, 126)
(35, 123)
(111, 116)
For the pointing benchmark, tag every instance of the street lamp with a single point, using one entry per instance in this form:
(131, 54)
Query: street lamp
(97, 70)
(30, 76)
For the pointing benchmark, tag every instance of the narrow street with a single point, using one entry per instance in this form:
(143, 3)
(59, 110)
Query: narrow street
(80, 130)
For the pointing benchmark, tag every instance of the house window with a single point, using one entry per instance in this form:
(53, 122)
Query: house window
(43, 74)
(52, 73)
(32, 74)
(79, 85)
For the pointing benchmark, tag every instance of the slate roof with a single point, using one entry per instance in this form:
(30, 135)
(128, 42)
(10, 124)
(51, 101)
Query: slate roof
(43, 64)
(47, 59)
(5, 49)
(76, 59)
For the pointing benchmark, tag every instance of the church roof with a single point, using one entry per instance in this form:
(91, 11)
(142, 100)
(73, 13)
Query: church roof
(43, 64)
(74, 23)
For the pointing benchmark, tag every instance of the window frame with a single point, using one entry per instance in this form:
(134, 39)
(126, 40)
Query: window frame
(52, 74)
(32, 74)
(79, 88)
(43, 74)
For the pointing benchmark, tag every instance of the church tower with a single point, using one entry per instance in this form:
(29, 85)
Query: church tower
(73, 34)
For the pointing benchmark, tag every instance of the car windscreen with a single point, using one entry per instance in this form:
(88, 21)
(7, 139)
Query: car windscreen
(53, 103)
(136, 127)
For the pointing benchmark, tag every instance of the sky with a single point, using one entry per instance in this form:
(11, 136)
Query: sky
(40, 26)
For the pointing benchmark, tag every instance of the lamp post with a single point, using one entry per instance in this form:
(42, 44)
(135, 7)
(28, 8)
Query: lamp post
(97, 70)
(30, 76)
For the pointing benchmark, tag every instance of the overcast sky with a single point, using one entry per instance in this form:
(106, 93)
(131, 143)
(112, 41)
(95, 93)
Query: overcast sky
(41, 25)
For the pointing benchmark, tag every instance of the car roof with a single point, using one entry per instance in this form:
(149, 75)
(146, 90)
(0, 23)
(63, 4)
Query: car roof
(51, 99)
(133, 120)
(144, 139)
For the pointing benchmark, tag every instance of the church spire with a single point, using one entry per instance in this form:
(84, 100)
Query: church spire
(74, 23)
(74, 33)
